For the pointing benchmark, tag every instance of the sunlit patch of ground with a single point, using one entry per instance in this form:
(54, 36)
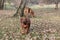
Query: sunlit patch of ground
(43, 6)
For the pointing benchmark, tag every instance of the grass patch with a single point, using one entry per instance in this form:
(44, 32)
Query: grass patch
(9, 6)
(44, 6)
(1, 34)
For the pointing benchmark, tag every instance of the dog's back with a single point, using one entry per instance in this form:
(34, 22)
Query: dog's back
(28, 11)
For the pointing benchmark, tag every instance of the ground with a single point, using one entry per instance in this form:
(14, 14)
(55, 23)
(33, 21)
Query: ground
(46, 23)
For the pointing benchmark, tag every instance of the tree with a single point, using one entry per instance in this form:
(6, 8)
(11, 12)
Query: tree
(56, 2)
(20, 10)
(1, 4)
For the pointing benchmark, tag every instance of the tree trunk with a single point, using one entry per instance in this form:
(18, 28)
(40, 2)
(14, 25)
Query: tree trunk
(1, 4)
(56, 7)
(20, 10)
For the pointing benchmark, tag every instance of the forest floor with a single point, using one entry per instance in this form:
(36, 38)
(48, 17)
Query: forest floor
(45, 26)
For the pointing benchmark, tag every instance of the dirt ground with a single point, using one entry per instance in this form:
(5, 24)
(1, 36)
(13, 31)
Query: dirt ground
(44, 26)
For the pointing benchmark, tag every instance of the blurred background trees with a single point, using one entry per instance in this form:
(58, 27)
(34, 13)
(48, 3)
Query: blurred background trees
(13, 4)
(56, 2)
(1, 4)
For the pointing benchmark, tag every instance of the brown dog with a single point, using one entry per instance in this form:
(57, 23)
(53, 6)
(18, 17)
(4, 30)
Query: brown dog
(25, 25)
(28, 11)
